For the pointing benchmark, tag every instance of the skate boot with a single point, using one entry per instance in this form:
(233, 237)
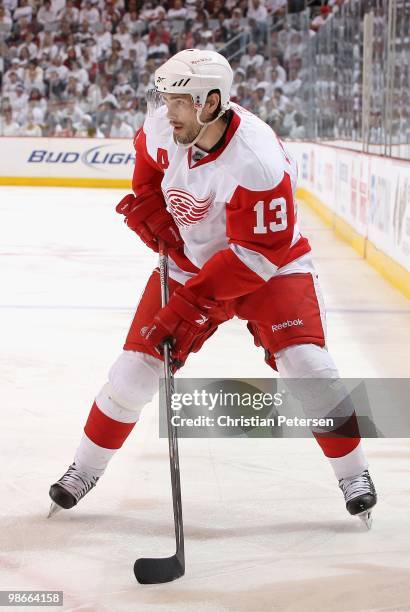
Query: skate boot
(360, 496)
(71, 487)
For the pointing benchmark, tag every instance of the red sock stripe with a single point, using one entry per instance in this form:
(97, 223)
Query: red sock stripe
(335, 443)
(104, 431)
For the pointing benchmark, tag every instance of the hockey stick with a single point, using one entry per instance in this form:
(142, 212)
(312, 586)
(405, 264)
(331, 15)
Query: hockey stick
(154, 571)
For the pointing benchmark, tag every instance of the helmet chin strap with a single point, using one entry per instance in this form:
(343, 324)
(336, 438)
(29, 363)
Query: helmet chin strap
(203, 125)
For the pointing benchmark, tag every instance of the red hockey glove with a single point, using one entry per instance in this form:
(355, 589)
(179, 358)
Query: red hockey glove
(147, 216)
(186, 321)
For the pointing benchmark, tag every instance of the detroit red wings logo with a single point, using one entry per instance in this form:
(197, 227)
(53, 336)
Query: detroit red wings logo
(187, 210)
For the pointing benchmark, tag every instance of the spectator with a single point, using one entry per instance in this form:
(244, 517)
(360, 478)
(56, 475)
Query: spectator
(258, 20)
(105, 115)
(5, 21)
(276, 80)
(205, 41)
(54, 85)
(89, 13)
(19, 99)
(237, 30)
(271, 115)
(280, 71)
(60, 68)
(73, 111)
(295, 47)
(298, 129)
(81, 74)
(120, 129)
(157, 50)
(320, 18)
(11, 82)
(33, 78)
(123, 86)
(71, 13)
(178, 12)
(123, 36)
(46, 14)
(160, 17)
(88, 62)
(131, 72)
(111, 13)
(201, 22)
(137, 116)
(280, 99)
(23, 11)
(73, 89)
(144, 84)
(148, 13)
(221, 30)
(59, 7)
(112, 65)
(65, 129)
(133, 22)
(9, 127)
(252, 58)
(288, 118)
(140, 48)
(238, 79)
(85, 129)
(292, 86)
(47, 45)
(259, 99)
(31, 128)
(243, 96)
(192, 7)
(107, 97)
(283, 37)
(160, 32)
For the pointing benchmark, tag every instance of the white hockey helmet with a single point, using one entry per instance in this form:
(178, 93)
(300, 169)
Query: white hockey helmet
(196, 72)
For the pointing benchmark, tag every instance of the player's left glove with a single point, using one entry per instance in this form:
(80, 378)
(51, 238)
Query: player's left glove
(186, 321)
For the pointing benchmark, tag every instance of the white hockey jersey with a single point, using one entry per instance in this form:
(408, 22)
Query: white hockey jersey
(235, 207)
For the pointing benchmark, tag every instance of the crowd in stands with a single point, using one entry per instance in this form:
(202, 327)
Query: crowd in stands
(83, 67)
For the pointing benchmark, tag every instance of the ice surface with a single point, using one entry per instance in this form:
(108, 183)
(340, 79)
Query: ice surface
(265, 523)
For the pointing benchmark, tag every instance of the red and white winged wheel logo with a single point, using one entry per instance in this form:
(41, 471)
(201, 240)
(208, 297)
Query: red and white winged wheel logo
(185, 209)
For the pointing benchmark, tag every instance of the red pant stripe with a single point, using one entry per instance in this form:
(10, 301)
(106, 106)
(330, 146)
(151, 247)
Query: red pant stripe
(342, 440)
(105, 431)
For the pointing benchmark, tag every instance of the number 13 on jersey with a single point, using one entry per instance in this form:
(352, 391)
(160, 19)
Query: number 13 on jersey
(280, 220)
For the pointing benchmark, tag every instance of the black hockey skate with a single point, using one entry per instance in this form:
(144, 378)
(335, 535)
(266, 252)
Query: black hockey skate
(71, 487)
(360, 496)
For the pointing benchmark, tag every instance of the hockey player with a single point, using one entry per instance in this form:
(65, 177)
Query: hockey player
(214, 183)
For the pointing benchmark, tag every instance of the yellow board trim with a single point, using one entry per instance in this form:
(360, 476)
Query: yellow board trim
(392, 271)
(54, 181)
(317, 205)
(345, 231)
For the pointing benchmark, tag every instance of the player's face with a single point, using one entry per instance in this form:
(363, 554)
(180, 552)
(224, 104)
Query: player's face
(182, 116)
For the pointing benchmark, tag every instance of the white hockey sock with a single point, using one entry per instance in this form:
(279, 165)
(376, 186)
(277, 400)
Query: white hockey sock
(91, 458)
(351, 464)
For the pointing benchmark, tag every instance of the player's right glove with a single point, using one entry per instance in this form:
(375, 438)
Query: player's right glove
(147, 216)
(186, 321)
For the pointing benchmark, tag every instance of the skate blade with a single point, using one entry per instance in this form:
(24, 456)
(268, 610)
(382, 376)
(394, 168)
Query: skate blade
(366, 518)
(54, 509)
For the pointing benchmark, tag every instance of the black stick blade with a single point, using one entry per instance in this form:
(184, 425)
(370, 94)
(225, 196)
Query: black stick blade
(155, 571)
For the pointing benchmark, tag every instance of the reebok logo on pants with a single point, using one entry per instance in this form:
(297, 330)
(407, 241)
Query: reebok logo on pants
(287, 324)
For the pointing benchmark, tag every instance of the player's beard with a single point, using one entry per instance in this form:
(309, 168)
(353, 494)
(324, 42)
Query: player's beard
(188, 134)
